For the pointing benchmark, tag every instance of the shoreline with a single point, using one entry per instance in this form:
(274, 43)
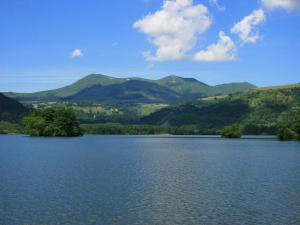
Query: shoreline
(244, 137)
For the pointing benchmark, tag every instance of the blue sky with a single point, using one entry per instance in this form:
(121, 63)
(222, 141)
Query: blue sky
(255, 41)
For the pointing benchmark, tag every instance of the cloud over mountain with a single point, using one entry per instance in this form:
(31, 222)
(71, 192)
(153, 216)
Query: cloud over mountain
(246, 28)
(223, 50)
(288, 5)
(174, 28)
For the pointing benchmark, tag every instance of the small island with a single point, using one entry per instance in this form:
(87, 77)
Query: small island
(232, 131)
(51, 122)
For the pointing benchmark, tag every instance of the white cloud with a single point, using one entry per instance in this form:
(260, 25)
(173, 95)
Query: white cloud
(288, 5)
(246, 28)
(217, 4)
(223, 50)
(174, 29)
(76, 53)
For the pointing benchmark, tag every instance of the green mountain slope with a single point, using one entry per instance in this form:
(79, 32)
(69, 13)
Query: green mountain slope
(231, 88)
(195, 89)
(86, 82)
(184, 88)
(129, 92)
(257, 110)
(10, 109)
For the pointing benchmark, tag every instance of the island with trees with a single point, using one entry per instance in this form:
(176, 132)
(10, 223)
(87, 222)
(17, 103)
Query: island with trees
(52, 123)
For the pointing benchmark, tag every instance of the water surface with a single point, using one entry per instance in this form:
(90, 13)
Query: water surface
(148, 180)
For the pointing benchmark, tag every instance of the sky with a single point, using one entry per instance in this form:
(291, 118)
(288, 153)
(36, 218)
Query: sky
(52, 43)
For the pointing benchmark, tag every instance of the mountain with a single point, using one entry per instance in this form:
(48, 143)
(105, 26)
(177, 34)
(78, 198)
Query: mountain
(196, 89)
(129, 92)
(257, 110)
(86, 82)
(100, 88)
(10, 109)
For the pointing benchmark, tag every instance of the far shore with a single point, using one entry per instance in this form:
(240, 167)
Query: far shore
(271, 137)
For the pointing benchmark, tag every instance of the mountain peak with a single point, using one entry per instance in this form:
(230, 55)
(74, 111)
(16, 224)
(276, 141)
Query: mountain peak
(172, 77)
(183, 79)
(97, 75)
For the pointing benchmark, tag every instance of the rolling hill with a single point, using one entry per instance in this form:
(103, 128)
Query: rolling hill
(10, 109)
(257, 110)
(105, 89)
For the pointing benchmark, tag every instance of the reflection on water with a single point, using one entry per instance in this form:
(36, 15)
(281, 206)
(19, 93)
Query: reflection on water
(143, 180)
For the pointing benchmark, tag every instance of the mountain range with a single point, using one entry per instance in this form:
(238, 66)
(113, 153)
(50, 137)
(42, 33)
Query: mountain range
(97, 88)
(256, 110)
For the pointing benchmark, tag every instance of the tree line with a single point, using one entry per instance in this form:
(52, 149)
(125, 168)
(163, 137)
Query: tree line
(64, 122)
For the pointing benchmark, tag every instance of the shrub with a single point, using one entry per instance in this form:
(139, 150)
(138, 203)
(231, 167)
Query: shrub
(296, 126)
(2, 132)
(232, 131)
(286, 133)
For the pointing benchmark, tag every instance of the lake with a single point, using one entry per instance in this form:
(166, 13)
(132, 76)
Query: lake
(148, 180)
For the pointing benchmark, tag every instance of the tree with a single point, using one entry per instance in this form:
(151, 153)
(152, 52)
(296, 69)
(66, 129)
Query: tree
(288, 126)
(65, 123)
(35, 124)
(296, 126)
(2, 132)
(232, 131)
(285, 133)
(49, 122)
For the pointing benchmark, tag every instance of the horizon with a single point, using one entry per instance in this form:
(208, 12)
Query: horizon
(135, 77)
(146, 78)
(50, 45)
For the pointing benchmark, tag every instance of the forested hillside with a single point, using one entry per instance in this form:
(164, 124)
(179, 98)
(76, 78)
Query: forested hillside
(257, 110)
(10, 109)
